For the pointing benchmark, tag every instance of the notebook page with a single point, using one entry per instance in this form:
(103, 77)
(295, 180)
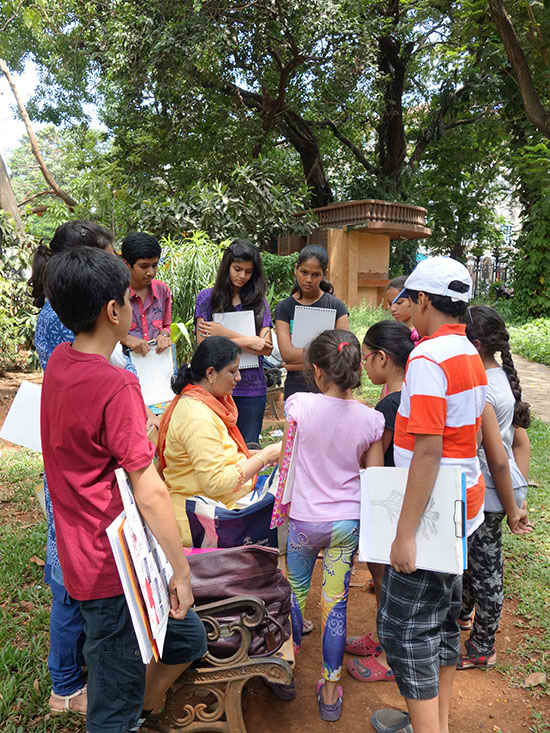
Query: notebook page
(309, 323)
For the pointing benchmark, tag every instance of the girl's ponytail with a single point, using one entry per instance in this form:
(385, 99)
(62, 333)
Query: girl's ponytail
(40, 259)
(326, 287)
(522, 415)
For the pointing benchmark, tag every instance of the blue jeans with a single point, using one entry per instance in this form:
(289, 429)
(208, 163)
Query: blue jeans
(251, 415)
(65, 658)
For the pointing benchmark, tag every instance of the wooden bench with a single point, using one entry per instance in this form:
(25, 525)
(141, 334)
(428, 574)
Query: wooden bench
(208, 697)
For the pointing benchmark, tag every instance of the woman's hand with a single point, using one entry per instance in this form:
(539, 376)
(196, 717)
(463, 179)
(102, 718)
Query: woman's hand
(271, 453)
(256, 343)
(163, 342)
(210, 328)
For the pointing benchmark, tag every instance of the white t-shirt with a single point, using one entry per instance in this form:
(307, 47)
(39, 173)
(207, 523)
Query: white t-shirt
(501, 399)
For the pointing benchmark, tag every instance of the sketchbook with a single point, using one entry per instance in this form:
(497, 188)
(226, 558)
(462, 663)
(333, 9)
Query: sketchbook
(309, 322)
(440, 538)
(155, 372)
(242, 322)
(283, 495)
(22, 423)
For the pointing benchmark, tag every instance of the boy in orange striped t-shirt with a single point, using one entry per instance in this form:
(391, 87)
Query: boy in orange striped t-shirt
(437, 424)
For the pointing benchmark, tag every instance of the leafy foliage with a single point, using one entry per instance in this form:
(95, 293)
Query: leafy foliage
(532, 340)
(279, 275)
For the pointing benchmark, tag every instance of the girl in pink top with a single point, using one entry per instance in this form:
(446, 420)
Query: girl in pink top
(336, 435)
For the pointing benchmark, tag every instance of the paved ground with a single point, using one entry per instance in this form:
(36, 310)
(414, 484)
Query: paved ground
(535, 385)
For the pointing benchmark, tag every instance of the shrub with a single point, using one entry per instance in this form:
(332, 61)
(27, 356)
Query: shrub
(532, 340)
(279, 275)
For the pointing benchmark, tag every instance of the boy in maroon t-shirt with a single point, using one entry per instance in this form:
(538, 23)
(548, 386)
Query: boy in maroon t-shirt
(92, 422)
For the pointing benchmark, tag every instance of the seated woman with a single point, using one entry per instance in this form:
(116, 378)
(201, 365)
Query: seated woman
(200, 447)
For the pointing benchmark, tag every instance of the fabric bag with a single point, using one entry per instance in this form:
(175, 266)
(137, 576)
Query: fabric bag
(244, 571)
(213, 525)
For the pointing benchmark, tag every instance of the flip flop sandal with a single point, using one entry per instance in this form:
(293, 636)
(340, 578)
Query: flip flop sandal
(307, 627)
(331, 713)
(363, 646)
(369, 670)
(390, 720)
(472, 659)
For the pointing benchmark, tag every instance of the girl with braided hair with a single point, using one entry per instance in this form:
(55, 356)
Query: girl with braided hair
(504, 459)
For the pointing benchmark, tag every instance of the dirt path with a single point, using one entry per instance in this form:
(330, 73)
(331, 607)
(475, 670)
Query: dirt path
(535, 385)
(490, 702)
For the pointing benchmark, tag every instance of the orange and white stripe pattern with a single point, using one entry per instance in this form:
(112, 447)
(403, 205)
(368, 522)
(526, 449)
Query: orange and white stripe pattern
(444, 394)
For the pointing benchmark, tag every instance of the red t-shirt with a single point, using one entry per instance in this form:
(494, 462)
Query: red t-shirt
(92, 422)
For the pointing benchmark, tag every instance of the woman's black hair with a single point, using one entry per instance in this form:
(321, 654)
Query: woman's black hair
(398, 283)
(309, 252)
(393, 338)
(71, 234)
(214, 351)
(340, 363)
(252, 294)
(485, 325)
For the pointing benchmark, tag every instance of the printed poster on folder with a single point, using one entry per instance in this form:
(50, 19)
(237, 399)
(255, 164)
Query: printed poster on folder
(440, 538)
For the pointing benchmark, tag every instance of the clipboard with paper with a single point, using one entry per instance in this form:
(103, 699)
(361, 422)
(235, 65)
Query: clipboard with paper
(441, 536)
(309, 322)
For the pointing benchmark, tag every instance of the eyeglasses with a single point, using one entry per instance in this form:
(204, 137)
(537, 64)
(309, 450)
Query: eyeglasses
(366, 358)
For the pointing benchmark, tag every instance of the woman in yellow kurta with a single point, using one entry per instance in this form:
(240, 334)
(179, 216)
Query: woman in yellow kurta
(201, 450)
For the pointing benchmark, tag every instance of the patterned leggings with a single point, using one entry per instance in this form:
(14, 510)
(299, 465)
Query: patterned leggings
(339, 541)
(482, 583)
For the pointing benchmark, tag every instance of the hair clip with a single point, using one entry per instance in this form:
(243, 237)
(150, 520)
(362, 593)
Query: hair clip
(342, 344)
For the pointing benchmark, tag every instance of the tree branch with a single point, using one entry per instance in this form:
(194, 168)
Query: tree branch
(46, 192)
(367, 165)
(50, 180)
(534, 109)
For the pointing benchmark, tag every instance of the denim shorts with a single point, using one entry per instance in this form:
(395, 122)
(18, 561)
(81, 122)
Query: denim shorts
(417, 626)
(116, 673)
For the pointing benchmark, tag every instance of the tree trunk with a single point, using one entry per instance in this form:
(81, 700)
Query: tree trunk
(300, 135)
(50, 180)
(8, 201)
(535, 111)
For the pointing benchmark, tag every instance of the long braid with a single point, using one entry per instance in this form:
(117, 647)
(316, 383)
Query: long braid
(522, 416)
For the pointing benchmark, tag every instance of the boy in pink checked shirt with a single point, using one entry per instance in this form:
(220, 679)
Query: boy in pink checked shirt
(150, 299)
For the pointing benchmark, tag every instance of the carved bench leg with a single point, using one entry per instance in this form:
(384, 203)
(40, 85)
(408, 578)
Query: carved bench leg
(234, 706)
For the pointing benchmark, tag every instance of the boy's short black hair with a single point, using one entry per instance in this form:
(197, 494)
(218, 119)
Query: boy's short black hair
(80, 281)
(443, 303)
(139, 246)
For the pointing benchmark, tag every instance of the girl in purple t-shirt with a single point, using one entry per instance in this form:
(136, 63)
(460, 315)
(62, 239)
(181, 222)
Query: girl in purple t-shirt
(240, 285)
(335, 436)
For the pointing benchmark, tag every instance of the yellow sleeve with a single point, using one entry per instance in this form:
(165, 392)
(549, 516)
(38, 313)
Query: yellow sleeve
(201, 439)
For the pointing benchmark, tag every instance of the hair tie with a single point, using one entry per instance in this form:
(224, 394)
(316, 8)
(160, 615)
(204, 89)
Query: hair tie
(342, 344)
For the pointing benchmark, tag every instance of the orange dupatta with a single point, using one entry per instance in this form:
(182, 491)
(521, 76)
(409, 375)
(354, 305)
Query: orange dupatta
(224, 407)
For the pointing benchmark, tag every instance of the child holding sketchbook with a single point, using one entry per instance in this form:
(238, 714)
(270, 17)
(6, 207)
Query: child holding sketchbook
(311, 289)
(93, 422)
(240, 286)
(325, 503)
(506, 487)
(442, 400)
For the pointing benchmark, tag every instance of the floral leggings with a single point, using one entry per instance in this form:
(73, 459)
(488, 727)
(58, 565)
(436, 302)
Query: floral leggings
(339, 542)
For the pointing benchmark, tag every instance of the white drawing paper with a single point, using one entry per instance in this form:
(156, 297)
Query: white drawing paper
(22, 423)
(144, 642)
(241, 322)
(155, 372)
(309, 322)
(440, 545)
(150, 564)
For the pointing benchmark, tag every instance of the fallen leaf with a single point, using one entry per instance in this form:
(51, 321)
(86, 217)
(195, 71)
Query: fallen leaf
(27, 605)
(36, 685)
(534, 679)
(37, 561)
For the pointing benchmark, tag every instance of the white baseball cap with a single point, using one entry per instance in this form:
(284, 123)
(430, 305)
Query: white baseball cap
(441, 276)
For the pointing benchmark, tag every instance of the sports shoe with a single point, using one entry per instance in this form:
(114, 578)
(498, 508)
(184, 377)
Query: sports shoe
(75, 703)
(473, 659)
(390, 720)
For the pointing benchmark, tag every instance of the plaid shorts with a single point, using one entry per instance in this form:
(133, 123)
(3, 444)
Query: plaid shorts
(417, 628)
